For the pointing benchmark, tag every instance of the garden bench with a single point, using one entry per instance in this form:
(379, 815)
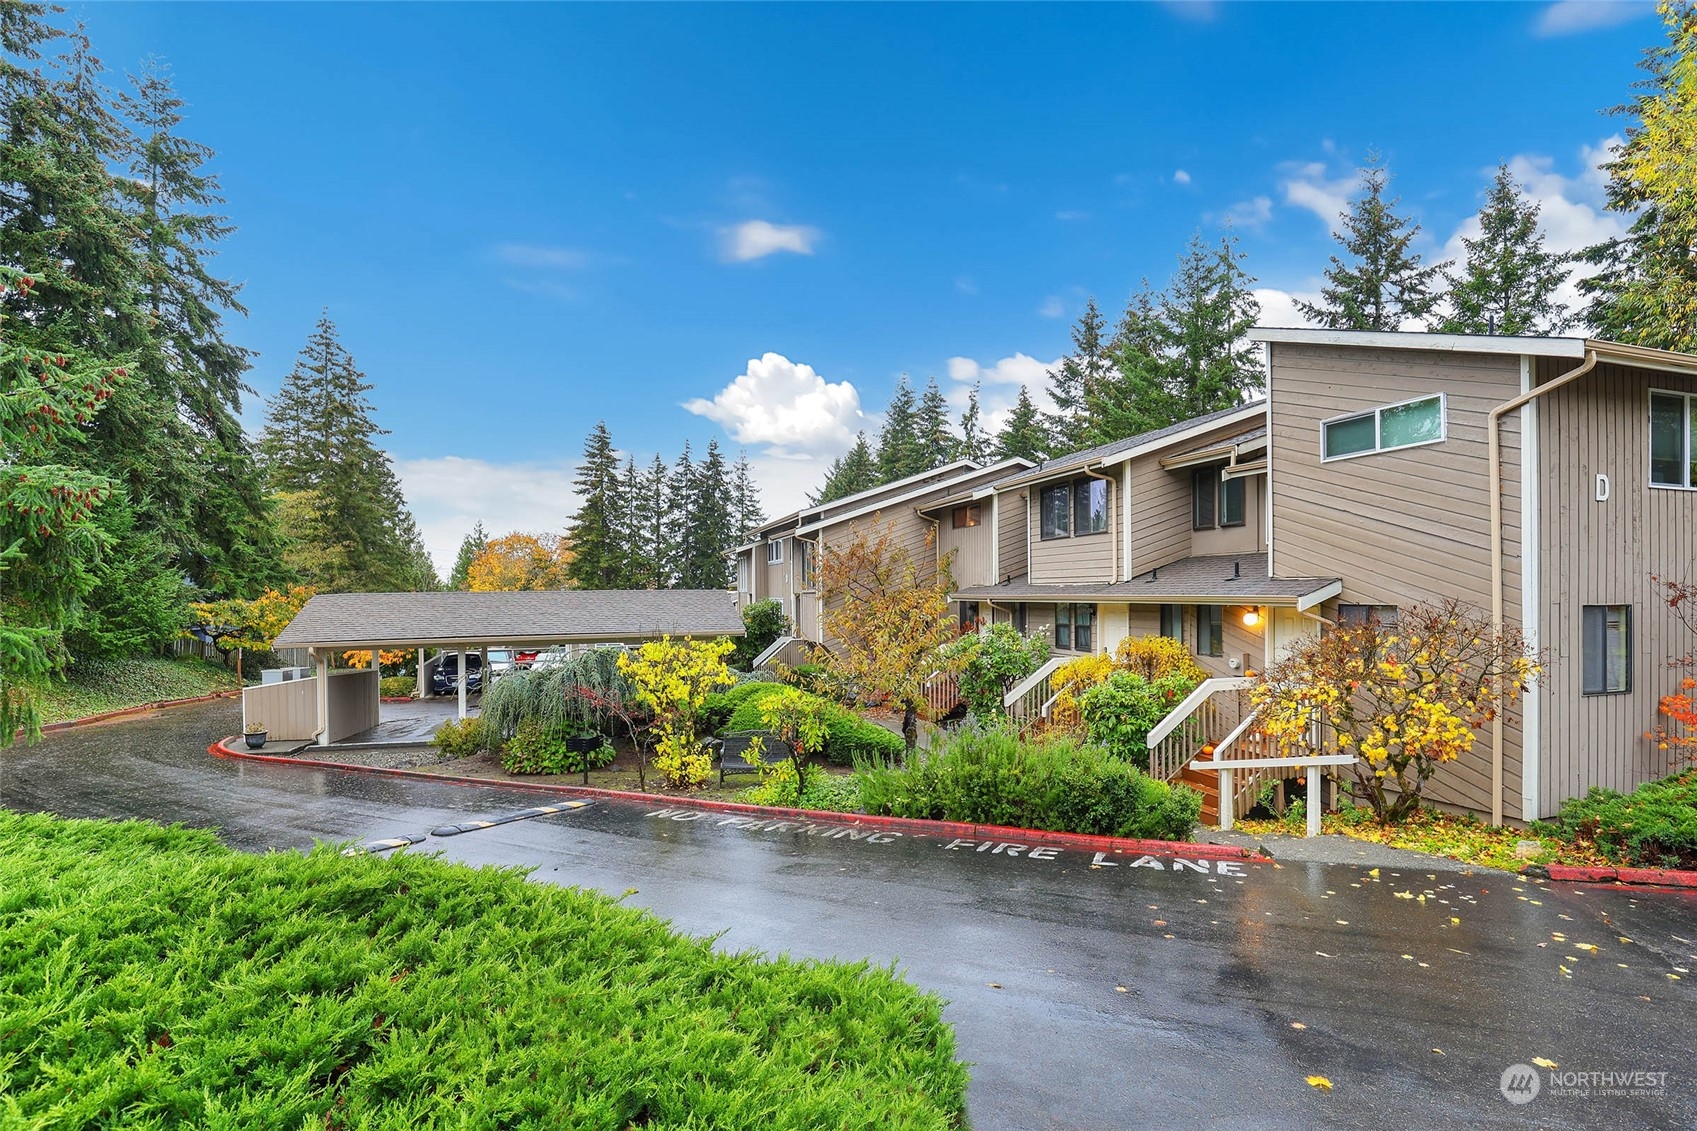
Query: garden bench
(733, 746)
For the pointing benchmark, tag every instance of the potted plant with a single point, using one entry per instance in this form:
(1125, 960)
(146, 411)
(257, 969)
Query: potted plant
(255, 735)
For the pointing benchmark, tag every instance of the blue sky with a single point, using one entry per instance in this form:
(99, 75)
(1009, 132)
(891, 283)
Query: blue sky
(747, 221)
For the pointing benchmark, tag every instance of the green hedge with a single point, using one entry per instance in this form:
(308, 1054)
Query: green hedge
(154, 978)
(539, 749)
(1654, 826)
(988, 776)
(848, 737)
(459, 738)
(398, 686)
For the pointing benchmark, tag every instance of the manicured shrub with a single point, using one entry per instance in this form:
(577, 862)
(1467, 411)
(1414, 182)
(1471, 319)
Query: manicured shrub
(1654, 826)
(763, 622)
(988, 775)
(539, 749)
(1157, 657)
(155, 978)
(459, 738)
(836, 793)
(991, 662)
(808, 677)
(398, 686)
(1119, 712)
(851, 740)
(744, 700)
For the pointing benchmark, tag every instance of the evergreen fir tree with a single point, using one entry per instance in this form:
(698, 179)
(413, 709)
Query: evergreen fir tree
(1208, 312)
(849, 474)
(649, 552)
(347, 517)
(471, 545)
(680, 497)
(598, 560)
(1078, 379)
(1023, 435)
(1382, 284)
(974, 444)
(1508, 281)
(931, 428)
(746, 510)
(1143, 394)
(710, 525)
(900, 453)
(1645, 290)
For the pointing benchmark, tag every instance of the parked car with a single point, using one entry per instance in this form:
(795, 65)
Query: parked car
(552, 658)
(445, 680)
(523, 658)
(498, 662)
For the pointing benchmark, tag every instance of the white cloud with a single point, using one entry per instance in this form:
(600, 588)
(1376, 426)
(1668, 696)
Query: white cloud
(1278, 308)
(447, 495)
(1180, 177)
(1250, 214)
(786, 406)
(756, 239)
(1570, 17)
(538, 255)
(1052, 307)
(1307, 186)
(999, 385)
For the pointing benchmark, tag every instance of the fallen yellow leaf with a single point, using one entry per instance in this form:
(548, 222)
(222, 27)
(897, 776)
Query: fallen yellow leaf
(994, 985)
(1440, 1052)
(1121, 990)
(1592, 947)
(1374, 873)
(1454, 920)
(1297, 1025)
(1542, 1063)
(1409, 957)
(1320, 1082)
(1405, 895)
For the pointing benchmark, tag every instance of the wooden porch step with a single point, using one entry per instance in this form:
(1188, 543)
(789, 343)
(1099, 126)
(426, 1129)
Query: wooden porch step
(1208, 785)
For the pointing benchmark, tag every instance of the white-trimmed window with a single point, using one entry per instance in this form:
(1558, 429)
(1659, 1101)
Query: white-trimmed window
(1069, 510)
(1673, 439)
(775, 552)
(1406, 424)
(963, 517)
(1606, 649)
(1385, 616)
(1210, 630)
(1075, 627)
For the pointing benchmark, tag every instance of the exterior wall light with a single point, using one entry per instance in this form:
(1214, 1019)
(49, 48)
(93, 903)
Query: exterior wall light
(1251, 618)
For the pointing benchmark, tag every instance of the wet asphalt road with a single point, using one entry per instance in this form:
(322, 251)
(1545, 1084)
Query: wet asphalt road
(1087, 995)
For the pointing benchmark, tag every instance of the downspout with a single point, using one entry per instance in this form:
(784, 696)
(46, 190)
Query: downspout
(1494, 442)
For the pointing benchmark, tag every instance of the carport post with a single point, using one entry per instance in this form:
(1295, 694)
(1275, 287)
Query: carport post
(323, 696)
(421, 673)
(461, 662)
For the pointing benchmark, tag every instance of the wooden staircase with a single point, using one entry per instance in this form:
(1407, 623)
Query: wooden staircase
(1208, 785)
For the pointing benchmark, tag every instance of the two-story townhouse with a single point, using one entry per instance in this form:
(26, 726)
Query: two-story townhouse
(1164, 532)
(1543, 480)
(778, 560)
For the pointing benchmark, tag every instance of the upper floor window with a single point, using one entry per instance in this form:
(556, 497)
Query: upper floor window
(962, 517)
(804, 556)
(1606, 649)
(1214, 500)
(1402, 425)
(1078, 507)
(775, 552)
(1673, 440)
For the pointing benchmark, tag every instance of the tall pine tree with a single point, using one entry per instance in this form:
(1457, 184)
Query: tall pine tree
(1380, 284)
(931, 428)
(706, 562)
(975, 444)
(851, 473)
(900, 452)
(746, 511)
(598, 556)
(1077, 379)
(649, 554)
(680, 496)
(1023, 435)
(348, 520)
(1508, 281)
(471, 545)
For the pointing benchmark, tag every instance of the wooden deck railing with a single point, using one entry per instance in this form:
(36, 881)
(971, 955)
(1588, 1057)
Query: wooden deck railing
(1207, 715)
(1030, 699)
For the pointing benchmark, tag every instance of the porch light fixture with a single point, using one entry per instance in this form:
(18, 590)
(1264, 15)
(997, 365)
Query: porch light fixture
(1251, 618)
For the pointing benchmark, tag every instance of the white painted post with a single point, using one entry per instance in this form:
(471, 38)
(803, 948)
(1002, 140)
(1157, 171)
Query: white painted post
(323, 698)
(1316, 798)
(461, 661)
(1226, 799)
(421, 687)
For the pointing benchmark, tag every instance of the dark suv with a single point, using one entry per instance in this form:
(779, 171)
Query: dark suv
(446, 678)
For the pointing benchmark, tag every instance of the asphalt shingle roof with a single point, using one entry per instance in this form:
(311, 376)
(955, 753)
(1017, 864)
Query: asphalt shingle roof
(352, 620)
(1225, 578)
(1103, 451)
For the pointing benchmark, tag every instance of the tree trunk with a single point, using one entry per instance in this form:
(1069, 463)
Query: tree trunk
(910, 727)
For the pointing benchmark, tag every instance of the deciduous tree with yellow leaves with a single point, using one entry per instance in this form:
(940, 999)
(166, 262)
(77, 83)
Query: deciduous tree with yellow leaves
(252, 624)
(521, 561)
(672, 678)
(1404, 697)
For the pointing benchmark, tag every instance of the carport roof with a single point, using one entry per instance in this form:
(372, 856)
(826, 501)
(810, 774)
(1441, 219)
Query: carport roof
(388, 620)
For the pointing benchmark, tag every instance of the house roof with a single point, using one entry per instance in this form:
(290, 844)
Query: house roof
(1616, 352)
(371, 620)
(1121, 450)
(1209, 579)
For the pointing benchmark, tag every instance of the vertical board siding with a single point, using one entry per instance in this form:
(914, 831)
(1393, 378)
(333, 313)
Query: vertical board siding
(1603, 553)
(1408, 525)
(972, 549)
(1076, 560)
(1011, 535)
(288, 711)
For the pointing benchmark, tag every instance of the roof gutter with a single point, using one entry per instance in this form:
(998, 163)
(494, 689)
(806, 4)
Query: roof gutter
(1493, 431)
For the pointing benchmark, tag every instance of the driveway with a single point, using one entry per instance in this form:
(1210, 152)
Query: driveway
(1089, 992)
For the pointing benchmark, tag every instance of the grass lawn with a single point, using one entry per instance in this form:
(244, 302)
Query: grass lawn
(1441, 834)
(154, 978)
(93, 687)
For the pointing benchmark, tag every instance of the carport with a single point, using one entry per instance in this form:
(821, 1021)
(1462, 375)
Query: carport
(337, 703)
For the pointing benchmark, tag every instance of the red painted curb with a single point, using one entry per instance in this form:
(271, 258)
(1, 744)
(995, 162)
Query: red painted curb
(961, 830)
(1664, 877)
(67, 724)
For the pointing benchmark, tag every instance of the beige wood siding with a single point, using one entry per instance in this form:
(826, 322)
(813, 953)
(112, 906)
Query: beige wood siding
(1245, 539)
(1013, 561)
(1402, 526)
(972, 548)
(1079, 559)
(1603, 553)
(288, 711)
(775, 579)
(1160, 515)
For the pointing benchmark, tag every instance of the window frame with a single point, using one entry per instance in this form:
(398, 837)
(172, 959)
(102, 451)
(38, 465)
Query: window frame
(1385, 616)
(1046, 533)
(1377, 413)
(1205, 647)
(966, 516)
(1688, 452)
(775, 551)
(1176, 613)
(1076, 615)
(1088, 486)
(1063, 614)
(1205, 486)
(1226, 486)
(1625, 687)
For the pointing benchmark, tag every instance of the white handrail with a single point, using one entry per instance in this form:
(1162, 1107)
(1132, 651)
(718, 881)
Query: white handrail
(1310, 762)
(1204, 691)
(772, 650)
(1226, 743)
(1032, 680)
